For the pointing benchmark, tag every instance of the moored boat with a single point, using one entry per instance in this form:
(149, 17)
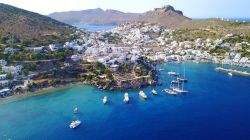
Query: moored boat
(178, 90)
(126, 98)
(230, 74)
(105, 100)
(175, 82)
(182, 79)
(154, 92)
(172, 73)
(143, 95)
(74, 124)
(169, 91)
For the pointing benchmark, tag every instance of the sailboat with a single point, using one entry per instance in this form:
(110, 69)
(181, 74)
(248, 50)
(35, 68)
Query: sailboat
(178, 89)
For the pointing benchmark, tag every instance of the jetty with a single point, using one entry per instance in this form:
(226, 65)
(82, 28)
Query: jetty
(236, 72)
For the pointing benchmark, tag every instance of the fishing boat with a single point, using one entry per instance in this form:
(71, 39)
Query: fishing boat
(74, 124)
(126, 98)
(169, 91)
(154, 92)
(172, 73)
(105, 100)
(143, 95)
(75, 110)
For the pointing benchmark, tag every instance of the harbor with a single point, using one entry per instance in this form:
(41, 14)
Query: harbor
(202, 104)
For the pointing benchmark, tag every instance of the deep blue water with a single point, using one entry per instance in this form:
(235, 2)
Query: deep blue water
(94, 28)
(217, 108)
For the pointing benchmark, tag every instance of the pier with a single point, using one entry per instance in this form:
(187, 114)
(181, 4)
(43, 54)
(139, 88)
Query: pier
(236, 72)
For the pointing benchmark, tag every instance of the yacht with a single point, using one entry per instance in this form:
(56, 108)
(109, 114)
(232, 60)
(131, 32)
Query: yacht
(172, 73)
(75, 110)
(179, 90)
(143, 95)
(175, 82)
(182, 79)
(230, 74)
(105, 100)
(169, 91)
(126, 98)
(154, 92)
(74, 124)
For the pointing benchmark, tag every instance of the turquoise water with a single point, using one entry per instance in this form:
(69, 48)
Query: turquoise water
(94, 28)
(217, 107)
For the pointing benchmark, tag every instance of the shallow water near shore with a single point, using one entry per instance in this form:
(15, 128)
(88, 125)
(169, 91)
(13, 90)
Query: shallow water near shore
(217, 107)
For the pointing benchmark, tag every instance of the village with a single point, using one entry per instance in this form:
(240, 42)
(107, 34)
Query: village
(124, 55)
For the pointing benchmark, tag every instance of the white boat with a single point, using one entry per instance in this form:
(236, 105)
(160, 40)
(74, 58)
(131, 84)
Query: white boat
(178, 90)
(75, 110)
(105, 99)
(74, 124)
(172, 73)
(230, 74)
(143, 95)
(169, 91)
(154, 92)
(126, 98)
(182, 79)
(161, 69)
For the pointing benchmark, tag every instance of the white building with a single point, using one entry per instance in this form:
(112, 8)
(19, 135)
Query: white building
(12, 69)
(53, 47)
(3, 76)
(3, 62)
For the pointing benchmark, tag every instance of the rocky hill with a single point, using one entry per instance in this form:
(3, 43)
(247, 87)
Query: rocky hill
(94, 16)
(166, 16)
(26, 25)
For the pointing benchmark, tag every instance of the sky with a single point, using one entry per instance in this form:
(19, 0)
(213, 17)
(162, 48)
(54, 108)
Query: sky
(190, 8)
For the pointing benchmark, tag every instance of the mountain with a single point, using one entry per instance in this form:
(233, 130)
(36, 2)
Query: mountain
(26, 25)
(94, 16)
(166, 16)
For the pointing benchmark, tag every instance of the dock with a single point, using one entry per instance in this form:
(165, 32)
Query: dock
(236, 72)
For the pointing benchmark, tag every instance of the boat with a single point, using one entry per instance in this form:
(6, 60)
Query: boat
(175, 82)
(105, 100)
(230, 74)
(126, 98)
(172, 73)
(143, 95)
(154, 92)
(74, 124)
(161, 69)
(179, 90)
(169, 91)
(75, 110)
(182, 79)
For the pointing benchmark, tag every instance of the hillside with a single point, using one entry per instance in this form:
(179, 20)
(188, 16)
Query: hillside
(94, 17)
(165, 16)
(31, 27)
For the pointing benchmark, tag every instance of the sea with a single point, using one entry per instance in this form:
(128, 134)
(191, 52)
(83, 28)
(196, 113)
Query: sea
(217, 107)
(94, 28)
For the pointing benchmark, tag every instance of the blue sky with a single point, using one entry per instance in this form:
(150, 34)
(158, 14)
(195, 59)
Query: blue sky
(191, 8)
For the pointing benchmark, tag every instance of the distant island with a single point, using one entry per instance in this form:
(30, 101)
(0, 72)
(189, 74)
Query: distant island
(38, 52)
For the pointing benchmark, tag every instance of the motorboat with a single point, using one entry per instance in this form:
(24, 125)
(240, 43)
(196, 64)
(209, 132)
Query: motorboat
(230, 74)
(126, 98)
(74, 124)
(154, 92)
(143, 95)
(75, 110)
(105, 100)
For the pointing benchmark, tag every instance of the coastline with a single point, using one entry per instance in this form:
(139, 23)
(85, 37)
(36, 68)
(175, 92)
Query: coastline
(43, 91)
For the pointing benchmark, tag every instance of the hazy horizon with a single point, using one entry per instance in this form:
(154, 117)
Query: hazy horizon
(191, 8)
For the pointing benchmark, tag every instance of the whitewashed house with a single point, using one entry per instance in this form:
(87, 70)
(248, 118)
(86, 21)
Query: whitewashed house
(3, 62)
(12, 69)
